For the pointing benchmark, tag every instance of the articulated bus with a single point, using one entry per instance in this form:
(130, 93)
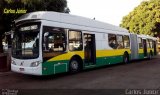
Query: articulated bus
(46, 43)
(143, 46)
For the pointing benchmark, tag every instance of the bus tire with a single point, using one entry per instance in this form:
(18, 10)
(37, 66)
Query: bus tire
(74, 66)
(125, 58)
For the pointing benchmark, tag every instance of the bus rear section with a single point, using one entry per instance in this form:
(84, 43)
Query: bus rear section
(142, 46)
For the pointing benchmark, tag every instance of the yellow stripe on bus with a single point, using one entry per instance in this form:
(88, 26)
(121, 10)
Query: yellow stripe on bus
(99, 53)
(140, 51)
(148, 50)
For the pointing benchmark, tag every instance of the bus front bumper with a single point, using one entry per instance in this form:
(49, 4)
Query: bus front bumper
(27, 70)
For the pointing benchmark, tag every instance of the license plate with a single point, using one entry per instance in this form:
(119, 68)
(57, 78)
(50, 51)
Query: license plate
(21, 69)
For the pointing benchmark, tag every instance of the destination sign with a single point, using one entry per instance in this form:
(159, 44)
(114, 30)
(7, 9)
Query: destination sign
(26, 28)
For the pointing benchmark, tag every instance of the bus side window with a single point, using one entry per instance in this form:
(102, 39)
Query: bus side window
(54, 39)
(140, 43)
(126, 41)
(112, 41)
(149, 43)
(75, 40)
(120, 42)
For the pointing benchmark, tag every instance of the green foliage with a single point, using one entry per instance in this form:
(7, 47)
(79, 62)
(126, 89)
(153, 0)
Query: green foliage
(144, 19)
(6, 19)
(30, 6)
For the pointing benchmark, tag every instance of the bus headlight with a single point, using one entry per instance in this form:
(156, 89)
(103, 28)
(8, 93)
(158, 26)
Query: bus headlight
(13, 62)
(35, 64)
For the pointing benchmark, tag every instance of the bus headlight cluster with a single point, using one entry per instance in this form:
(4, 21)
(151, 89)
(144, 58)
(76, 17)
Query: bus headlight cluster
(35, 64)
(13, 62)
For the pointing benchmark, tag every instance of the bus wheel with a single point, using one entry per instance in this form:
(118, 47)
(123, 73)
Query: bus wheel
(125, 58)
(74, 66)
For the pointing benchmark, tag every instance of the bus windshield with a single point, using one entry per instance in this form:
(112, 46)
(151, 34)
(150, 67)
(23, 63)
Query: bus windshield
(25, 43)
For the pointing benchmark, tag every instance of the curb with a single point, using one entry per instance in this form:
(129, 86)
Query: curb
(5, 73)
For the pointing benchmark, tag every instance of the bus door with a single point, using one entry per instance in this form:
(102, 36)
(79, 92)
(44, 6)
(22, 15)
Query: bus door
(145, 47)
(155, 47)
(89, 49)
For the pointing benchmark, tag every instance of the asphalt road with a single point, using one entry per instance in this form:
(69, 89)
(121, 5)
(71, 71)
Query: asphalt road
(143, 74)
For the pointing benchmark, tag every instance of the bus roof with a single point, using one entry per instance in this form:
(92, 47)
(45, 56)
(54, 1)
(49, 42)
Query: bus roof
(147, 37)
(69, 19)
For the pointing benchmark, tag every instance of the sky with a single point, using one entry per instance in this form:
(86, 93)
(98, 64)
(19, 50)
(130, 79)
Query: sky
(109, 11)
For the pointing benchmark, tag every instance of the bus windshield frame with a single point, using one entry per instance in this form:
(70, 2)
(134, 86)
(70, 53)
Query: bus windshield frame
(26, 41)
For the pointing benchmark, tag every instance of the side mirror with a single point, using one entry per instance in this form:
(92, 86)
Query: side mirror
(46, 34)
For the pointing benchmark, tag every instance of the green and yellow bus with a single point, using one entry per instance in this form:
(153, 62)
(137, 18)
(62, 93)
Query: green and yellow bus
(46, 43)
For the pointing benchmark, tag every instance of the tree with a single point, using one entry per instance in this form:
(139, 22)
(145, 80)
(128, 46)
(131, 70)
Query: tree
(144, 19)
(29, 5)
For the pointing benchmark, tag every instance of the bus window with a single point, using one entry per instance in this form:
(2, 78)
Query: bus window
(25, 43)
(151, 43)
(75, 40)
(120, 42)
(126, 41)
(148, 43)
(140, 43)
(54, 41)
(112, 41)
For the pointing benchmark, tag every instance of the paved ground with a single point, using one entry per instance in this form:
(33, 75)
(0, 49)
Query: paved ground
(144, 74)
